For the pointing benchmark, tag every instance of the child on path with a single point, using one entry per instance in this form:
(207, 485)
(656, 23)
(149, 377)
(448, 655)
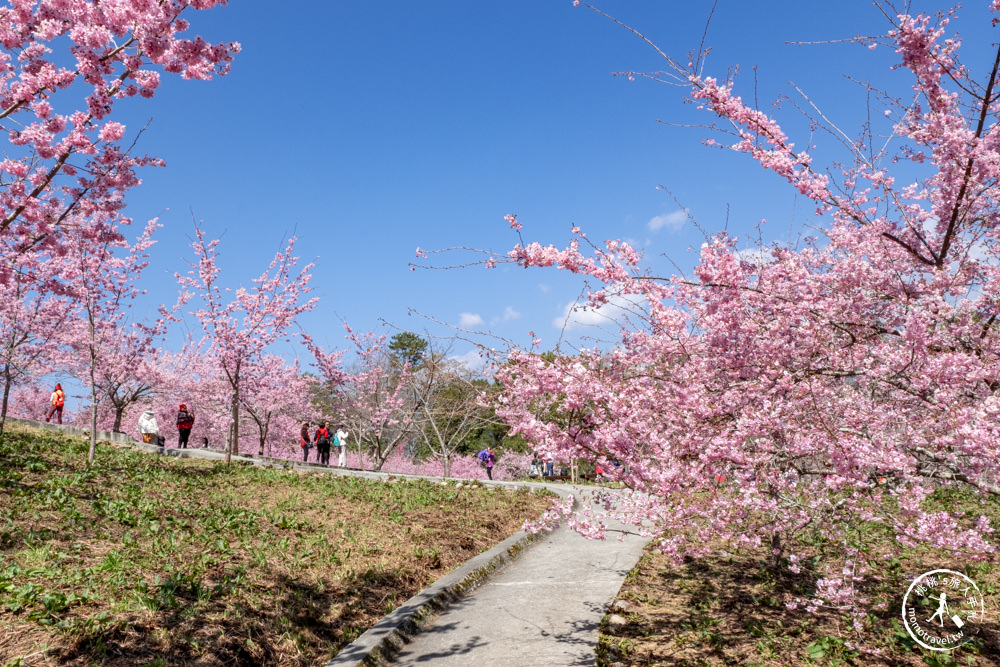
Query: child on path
(58, 400)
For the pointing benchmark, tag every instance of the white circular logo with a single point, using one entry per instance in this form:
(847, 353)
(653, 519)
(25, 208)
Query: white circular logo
(941, 609)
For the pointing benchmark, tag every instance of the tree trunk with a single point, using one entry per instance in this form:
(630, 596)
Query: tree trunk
(231, 431)
(233, 446)
(447, 464)
(776, 550)
(6, 396)
(265, 426)
(119, 411)
(93, 390)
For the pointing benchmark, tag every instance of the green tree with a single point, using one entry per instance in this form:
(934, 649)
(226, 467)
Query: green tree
(408, 347)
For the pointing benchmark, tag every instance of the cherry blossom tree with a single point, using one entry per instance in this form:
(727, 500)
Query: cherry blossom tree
(34, 311)
(809, 376)
(276, 395)
(241, 328)
(66, 161)
(190, 376)
(129, 373)
(376, 400)
(102, 274)
(31, 401)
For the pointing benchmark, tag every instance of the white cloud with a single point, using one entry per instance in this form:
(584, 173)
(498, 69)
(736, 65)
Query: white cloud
(471, 359)
(672, 221)
(576, 315)
(545, 288)
(469, 320)
(510, 314)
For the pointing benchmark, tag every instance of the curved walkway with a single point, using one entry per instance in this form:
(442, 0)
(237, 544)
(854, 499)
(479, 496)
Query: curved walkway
(544, 609)
(512, 605)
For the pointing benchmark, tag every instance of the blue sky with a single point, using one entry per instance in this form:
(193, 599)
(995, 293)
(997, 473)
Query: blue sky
(368, 129)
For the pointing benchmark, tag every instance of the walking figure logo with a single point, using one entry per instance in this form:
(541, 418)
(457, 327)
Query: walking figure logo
(955, 622)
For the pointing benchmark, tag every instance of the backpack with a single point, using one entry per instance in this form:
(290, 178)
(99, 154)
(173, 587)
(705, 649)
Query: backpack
(323, 440)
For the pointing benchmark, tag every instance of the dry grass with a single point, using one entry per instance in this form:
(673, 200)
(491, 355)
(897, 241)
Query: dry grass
(142, 560)
(730, 608)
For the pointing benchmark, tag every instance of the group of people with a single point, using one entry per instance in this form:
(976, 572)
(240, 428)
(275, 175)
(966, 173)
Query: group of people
(323, 440)
(542, 464)
(150, 430)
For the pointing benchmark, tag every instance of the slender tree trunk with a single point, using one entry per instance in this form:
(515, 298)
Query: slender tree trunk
(231, 429)
(6, 396)
(447, 464)
(234, 442)
(263, 433)
(236, 416)
(93, 390)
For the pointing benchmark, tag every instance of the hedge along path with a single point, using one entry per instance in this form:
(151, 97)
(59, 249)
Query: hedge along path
(141, 559)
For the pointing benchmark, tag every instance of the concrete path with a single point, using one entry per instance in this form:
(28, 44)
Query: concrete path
(543, 609)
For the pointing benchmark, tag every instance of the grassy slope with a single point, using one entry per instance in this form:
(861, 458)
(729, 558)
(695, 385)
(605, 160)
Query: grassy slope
(148, 560)
(729, 609)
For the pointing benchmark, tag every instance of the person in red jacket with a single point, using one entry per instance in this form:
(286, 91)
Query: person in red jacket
(58, 400)
(185, 421)
(323, 444)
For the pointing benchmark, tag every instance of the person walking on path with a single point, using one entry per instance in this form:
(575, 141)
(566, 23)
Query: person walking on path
(550, 463)
(150, 430)
(185, 421)
(323, 444)
(57, 401)
(340, 440)
(305, 443)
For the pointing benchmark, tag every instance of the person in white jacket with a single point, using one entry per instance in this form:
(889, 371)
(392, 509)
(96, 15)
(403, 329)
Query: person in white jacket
(149, 429)
(340, 440)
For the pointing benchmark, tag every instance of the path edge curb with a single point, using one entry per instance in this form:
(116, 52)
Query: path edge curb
(383, 641)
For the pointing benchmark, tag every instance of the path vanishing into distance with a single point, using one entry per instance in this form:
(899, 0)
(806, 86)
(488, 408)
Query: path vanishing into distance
(545, 608)
(533, 601)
